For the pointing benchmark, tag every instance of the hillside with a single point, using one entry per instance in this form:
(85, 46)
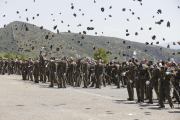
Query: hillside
(14, 38)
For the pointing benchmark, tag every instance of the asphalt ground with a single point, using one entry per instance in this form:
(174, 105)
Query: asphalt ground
(25, 100)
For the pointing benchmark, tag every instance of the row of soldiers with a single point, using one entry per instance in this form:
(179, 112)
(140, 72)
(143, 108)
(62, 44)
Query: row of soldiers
(144, 76)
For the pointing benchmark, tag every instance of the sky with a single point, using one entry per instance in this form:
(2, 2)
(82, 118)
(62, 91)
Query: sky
(114, 26)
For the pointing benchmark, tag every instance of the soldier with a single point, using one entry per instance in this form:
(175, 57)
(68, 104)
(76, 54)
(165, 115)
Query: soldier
(154, 82)
(9, 67)
(62, 71)
(121, 71)
(99, 74)
(103, 78)
(86, 69)
(115, 71)
(3, 67)
(176, 83)
(30, 69)
(165, 84)
(36, 70)
(131, 79)
(41, 66)
(78, 72)
(1, 60)
(109, 73)
(92, 72)
(24, 70)
(52, 71)
(72, 71)
(143, 73)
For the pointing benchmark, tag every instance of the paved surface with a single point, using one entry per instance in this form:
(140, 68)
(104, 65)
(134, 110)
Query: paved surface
(25, 100)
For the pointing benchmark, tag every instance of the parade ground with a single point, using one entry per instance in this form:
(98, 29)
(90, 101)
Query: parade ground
(25, 100)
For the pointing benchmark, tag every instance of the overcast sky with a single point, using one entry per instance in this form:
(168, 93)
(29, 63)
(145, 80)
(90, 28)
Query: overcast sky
(114, 26)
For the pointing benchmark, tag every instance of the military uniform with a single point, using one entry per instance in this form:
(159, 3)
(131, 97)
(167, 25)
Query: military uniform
(30, 70)
(78, 72)
(52, 72)
(115, 71)
(143, 74)
(176, 84)
(165, 84)
(62, 71)
(86, 69)
(121, 76)
(72, 70)
(154, 83)
(36, 71)
(92, 73)
(24, 71)
(131, 79)
(99, 74)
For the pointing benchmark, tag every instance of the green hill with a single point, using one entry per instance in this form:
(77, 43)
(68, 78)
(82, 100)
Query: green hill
(15, 39)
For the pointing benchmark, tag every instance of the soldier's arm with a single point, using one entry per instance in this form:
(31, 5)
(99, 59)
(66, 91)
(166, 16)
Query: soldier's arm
(155, 74)
(134, 62)
(148, 73)
(66, 66)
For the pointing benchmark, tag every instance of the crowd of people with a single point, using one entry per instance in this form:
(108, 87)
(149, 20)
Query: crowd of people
(144, 76)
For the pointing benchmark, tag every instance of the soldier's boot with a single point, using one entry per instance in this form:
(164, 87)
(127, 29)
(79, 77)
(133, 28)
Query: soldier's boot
(64, 82)
(31, 77)
(41, 77)
(51, 84)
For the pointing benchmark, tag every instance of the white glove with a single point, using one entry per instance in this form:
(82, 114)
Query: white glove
(54, 72)
(64, 74)
(84, 74)
(31, 71)
(134, 53)
(124, 74)
(74, 71)
(116, 76)
(92, 69)
(91, 74)
(167, 73)
(147, 82)
(13, 67)
(24, 71)
(160, 64)
(124, 58)
(130, 81)
(46, 66)
(172, 60)
(101, 75)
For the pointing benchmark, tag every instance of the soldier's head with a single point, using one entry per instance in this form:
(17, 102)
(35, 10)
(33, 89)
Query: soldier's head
(103, 61)
(179, 64)
(143, 61)
(30, 59)
(169, 64)
(136, 60)
(63, 58)
(71, 59)
(150, 62)
(160, 61)
(163, 62)
(99, 61)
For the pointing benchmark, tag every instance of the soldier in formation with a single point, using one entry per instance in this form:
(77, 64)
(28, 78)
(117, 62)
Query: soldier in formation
(144, 76)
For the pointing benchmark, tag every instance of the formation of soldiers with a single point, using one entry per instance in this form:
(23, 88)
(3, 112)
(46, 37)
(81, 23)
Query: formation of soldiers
(163, 77)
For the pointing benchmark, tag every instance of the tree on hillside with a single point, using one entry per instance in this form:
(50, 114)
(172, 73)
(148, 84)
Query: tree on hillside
(102, 55)
(1, 56)
(23, 56)
(8, 55)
